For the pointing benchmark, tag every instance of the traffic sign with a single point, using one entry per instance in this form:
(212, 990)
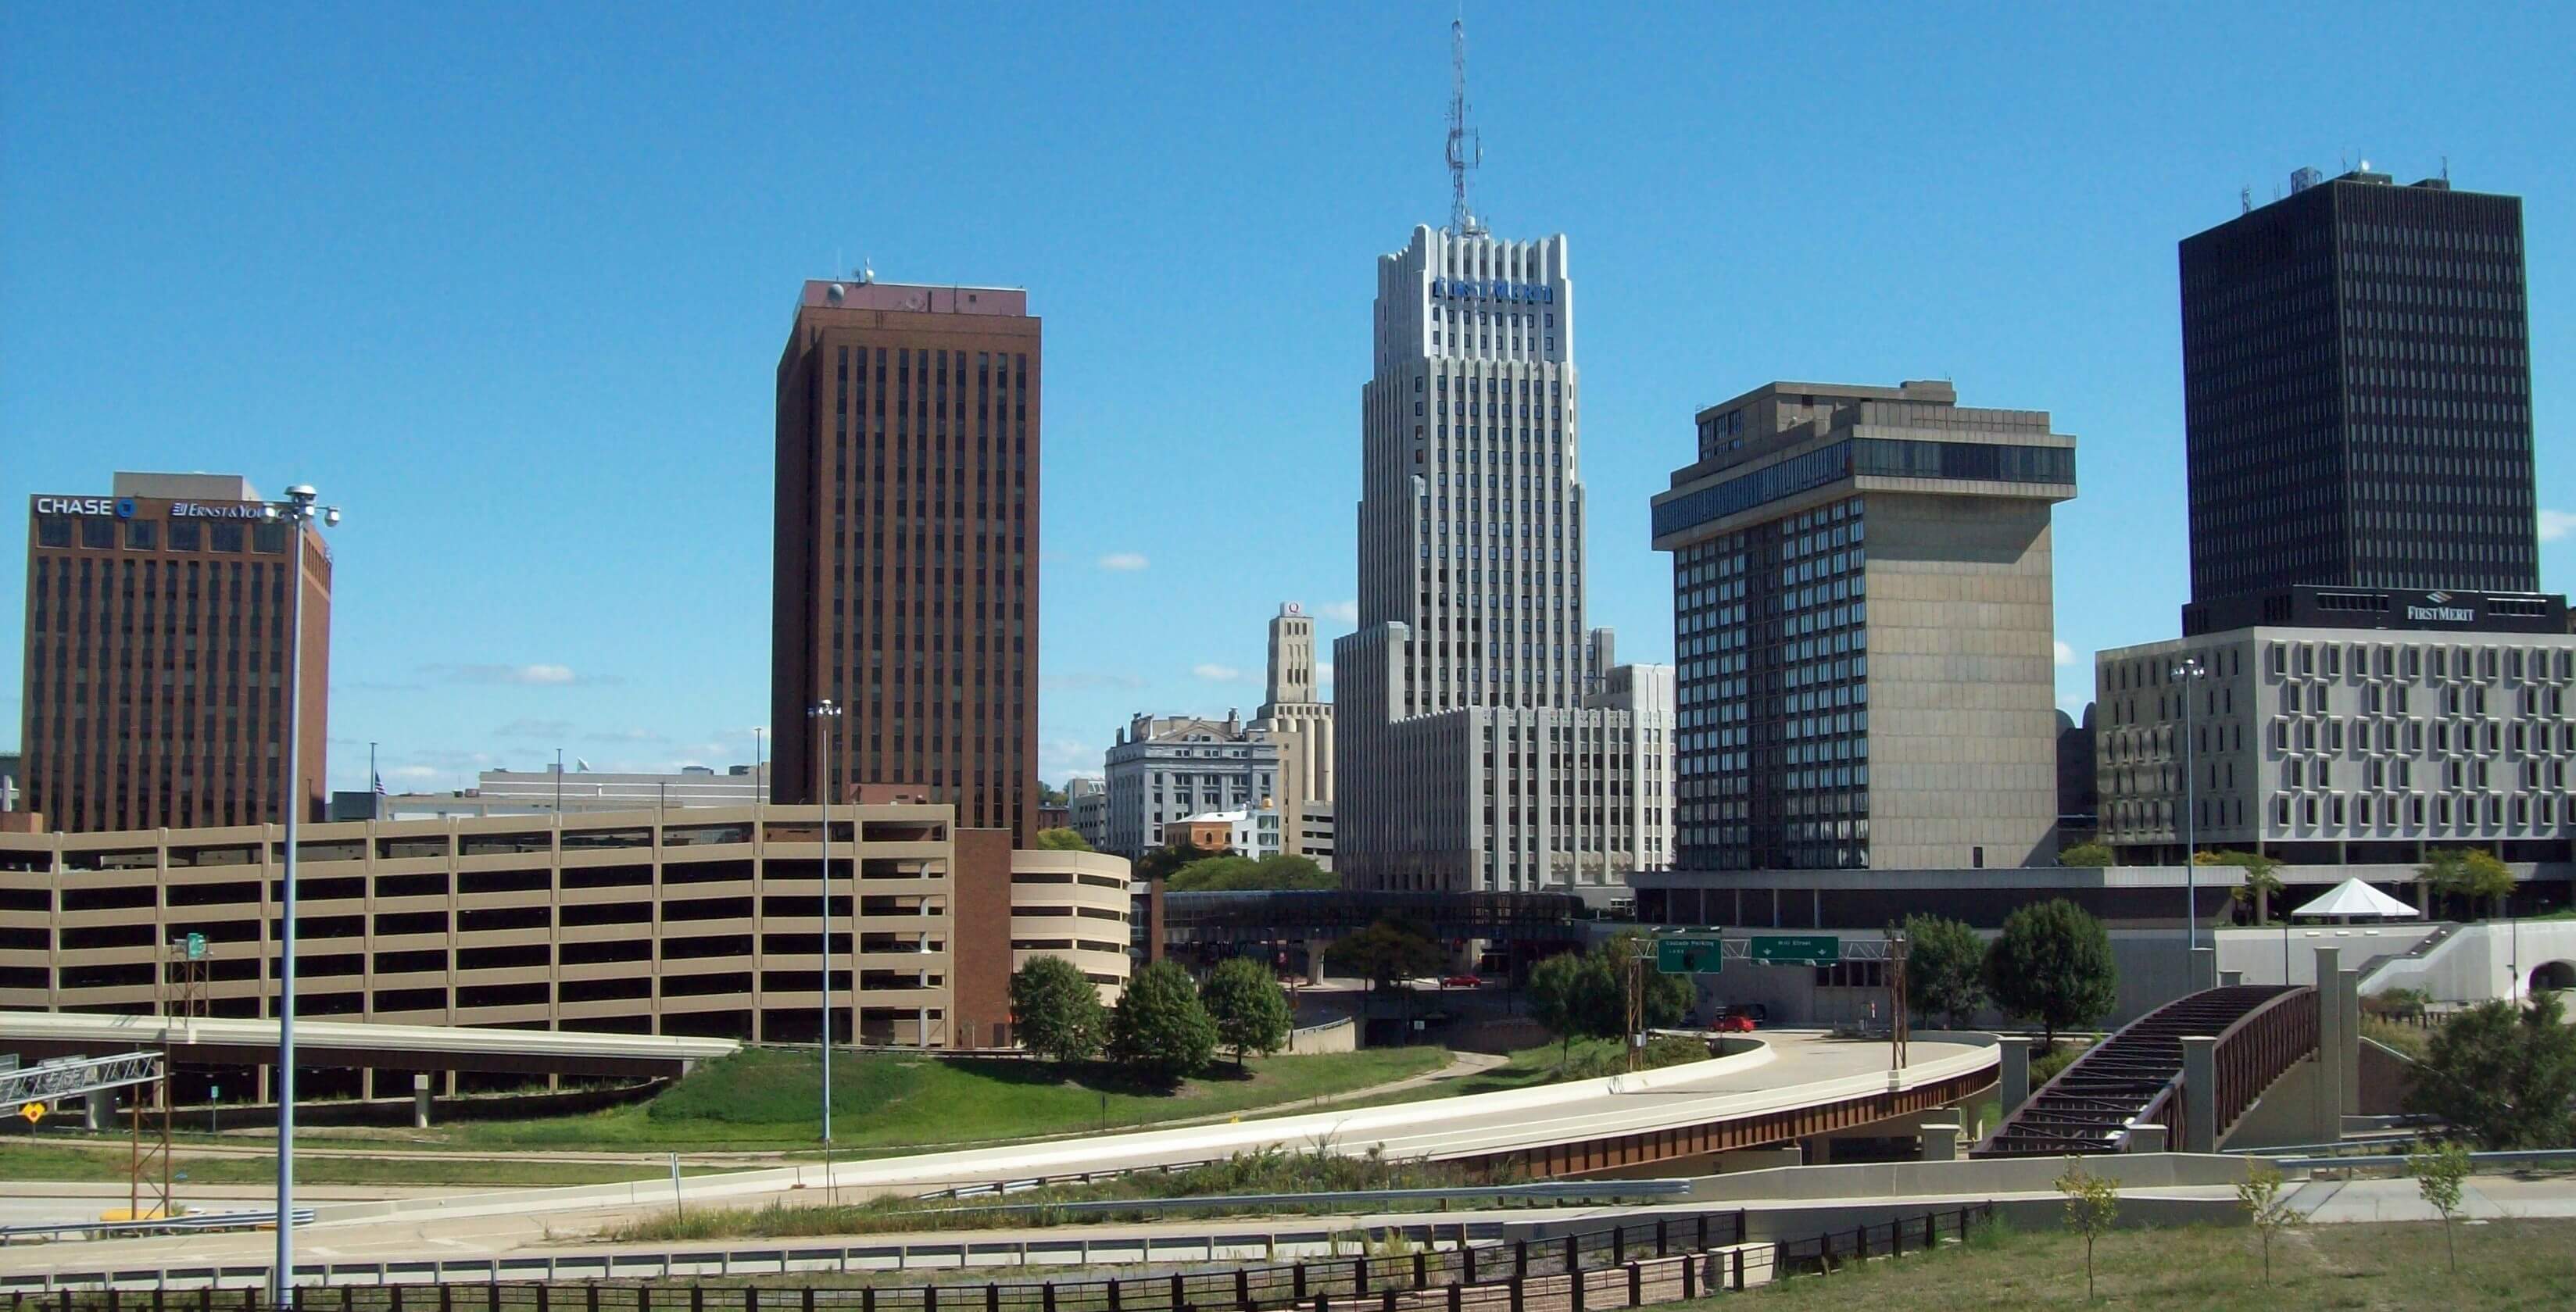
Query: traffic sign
(34, 1112)
(196, 947)
(1687, 956)
(1797, 949)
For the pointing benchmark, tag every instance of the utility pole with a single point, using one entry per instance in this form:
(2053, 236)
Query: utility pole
(1899, 1024)
(1633, 982)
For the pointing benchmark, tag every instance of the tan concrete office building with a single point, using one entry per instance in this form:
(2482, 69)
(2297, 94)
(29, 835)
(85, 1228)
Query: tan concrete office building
(1865, 631)
(703, 921)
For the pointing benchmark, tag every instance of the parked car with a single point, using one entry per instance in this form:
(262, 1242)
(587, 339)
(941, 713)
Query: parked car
(1732, 1022)
(1463, 982)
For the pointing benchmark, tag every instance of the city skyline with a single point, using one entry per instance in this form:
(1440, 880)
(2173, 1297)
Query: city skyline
(577, 495)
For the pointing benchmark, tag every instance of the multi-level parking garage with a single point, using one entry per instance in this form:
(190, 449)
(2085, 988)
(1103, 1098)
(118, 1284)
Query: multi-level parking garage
(704, 921)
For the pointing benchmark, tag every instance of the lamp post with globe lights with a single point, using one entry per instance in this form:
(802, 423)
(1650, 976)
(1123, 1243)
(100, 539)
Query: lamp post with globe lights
(297, 512)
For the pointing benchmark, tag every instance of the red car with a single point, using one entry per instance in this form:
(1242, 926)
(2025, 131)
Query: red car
(1463, 982)
(1733, 1023)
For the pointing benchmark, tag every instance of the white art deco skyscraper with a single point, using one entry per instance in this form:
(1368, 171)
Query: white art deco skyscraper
(1468, 759)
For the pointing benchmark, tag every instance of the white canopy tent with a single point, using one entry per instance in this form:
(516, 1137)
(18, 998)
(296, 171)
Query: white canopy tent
(2354, 897)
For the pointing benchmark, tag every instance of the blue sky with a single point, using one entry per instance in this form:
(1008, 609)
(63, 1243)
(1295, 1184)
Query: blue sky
(510, 286)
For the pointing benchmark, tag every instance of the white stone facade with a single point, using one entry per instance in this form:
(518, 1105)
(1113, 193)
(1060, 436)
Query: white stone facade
(2336, 746)
(1466, 757)
(1169, 767)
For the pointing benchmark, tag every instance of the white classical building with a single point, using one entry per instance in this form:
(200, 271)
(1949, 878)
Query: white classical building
(1467, 756)
(2339, 746)
(1166, 768)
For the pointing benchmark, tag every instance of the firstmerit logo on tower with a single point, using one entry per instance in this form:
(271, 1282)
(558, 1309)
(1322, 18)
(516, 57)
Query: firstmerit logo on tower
(1486, 289)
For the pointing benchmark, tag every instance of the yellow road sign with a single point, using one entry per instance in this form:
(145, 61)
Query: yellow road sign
(34, 1112)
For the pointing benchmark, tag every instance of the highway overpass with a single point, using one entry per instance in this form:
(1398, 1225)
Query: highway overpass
(208, 1041)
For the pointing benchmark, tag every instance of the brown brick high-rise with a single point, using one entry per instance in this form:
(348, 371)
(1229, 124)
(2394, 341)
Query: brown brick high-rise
(906, 567)
(157, 658)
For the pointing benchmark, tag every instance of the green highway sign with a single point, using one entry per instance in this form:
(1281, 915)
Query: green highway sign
(196, 947)
(1687, 956)
(1796, 949)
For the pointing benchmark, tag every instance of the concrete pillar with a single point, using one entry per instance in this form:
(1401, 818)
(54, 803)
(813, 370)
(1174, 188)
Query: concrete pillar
(94, 1109)
(1820, 1150)
(2146, 1138)
(1315, 948)
(1940, 1143)
(2329, 1108)
(2228, 979)
(2348, 999)
(2204, 969)
(420, 1102)
(2012, 1083)
(2200, 1093)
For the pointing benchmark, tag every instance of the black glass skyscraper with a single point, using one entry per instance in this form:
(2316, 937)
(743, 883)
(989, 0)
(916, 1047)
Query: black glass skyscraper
(2357, 392)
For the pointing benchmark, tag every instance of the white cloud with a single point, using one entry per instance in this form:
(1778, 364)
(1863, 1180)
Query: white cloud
(1059, 757)
(549, 730)
(412, 772)
(2554, 524)
(1216, 673)
(523, 674)
(1348, 612)
(2065, 654)
(1123, 561)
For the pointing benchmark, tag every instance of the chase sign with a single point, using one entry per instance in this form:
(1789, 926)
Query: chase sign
(121, 507)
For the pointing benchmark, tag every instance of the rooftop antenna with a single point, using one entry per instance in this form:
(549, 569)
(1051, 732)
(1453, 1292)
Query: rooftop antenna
(2446, 168)
(2245, 200)
(1466, 149)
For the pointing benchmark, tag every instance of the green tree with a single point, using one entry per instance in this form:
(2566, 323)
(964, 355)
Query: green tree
(2502, 1074)
(1667, 998)
(1055, 1010)
(2439, 1171)
(2092, 1204)
(1944, 969)
(1164, 862)
(1385, 954)
(2262, 879)
(1062, 840)
(1228, 873)
(1158, 1030)
(2259, 1193)
(1556, 1000)
(2470, 873)
(2052, 964)
(1248, 1006)
(2087, 854)
(1586, 996)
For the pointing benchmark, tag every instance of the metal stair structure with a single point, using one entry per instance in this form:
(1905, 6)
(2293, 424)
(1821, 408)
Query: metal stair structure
(2089, 1106)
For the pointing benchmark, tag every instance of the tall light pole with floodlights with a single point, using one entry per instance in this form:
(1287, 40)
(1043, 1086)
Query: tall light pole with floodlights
(297, 512)
(2189, 673)
(825, 715)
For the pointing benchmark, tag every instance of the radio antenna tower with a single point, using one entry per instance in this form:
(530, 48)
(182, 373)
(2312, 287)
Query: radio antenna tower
(1466, 149)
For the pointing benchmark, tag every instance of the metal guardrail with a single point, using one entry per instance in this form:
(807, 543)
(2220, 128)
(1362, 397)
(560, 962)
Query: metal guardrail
(1548, 1192)
(2533, 1157)
(198, 1221)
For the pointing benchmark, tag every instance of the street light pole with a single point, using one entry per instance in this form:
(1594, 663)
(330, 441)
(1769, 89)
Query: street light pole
(296, 512)
(825, 715)
(2189, 673)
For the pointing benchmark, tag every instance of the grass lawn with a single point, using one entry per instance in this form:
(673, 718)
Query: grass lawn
(764, 1098)
(1527, 1068)
(2503, 1264)
(24, 1161)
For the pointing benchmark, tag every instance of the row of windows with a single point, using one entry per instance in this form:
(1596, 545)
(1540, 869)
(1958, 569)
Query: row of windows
(222, 536)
